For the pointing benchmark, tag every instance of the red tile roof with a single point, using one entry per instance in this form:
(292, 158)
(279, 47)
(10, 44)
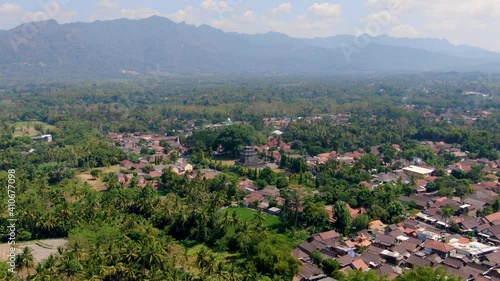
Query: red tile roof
(493, 217)
(359, 264)
(438, 246)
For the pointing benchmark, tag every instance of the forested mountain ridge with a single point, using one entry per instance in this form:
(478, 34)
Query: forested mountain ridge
(158, 46)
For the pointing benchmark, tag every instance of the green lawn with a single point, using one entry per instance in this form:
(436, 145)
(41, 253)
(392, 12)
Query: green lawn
(248, 215)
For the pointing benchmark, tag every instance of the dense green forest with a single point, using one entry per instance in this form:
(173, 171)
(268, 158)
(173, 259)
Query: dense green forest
(188, 231)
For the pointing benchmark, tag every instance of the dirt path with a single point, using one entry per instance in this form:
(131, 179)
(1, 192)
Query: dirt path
(42, 249)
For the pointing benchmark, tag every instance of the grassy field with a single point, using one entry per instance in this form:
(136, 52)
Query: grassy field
(228, 162)
(97, 184)
(248, 215)
(27, 128)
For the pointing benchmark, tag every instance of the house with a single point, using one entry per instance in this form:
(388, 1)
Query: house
(310, 247)
(493, 258)
(274, 211)
(155, 174)
(377, 225)
(420, 201)
(310, 272)
(127, 164)
(345, 260)
(371, 259)
(389, 271)
(324, 236)
(417, 171)
(421, 186)
(252, 198)
(248, 186)
(453, 263)
(185, 167)
(442, 249)
(468, 224)
(472, 249)
(355, 212)
(491, 234)
(391, 257)
(299, 254)
(492, 219)
(270, 191)
(416, 261)
(359, 265)
(384, 241)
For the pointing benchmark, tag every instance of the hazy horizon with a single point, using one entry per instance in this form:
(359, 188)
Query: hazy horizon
(459, 22)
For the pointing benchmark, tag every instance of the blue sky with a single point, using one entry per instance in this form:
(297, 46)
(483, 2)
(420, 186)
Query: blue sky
(472, 22)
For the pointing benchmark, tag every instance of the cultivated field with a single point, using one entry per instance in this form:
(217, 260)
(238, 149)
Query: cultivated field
(27, 128)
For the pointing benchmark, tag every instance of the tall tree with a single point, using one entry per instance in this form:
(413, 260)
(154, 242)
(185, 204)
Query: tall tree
(342, 217)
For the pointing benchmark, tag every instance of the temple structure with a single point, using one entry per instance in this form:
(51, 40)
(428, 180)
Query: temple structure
(249, 157)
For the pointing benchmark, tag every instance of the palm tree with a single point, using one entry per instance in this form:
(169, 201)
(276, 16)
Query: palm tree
(152, 254)
(235, 219)
(221, 271)
(25, 260)
(260, 217)
(446, 213)
(232, 273)
(211, 264)
(50, 265)
(219, 200)
(201, 258)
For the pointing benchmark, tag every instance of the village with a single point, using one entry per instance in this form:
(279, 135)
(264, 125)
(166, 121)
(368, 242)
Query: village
(465, 241)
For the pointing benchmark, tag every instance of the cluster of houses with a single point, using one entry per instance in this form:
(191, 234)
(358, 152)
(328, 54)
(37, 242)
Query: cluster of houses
(392, 249)
(150, 169)
(465, 243)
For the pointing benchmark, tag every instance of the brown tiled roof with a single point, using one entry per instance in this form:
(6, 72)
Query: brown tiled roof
(345, 260)
(494, 257)
(359, 264)
(438, 246)
(493, 217)
(387, 270)
(453, 263)
(376, 224)
(349, 243)
(309, 270)
(299, 254)
(329, 235)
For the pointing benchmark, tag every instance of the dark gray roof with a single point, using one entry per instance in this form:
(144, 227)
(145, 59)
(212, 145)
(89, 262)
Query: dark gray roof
(369, 257)
(418, 261)
(453, 263)
(345, 260)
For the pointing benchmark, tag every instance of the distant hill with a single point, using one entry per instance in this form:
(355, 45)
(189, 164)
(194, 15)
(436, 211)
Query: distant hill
(158, 46)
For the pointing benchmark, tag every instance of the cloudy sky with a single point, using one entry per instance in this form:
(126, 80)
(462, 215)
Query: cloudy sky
(472, 22)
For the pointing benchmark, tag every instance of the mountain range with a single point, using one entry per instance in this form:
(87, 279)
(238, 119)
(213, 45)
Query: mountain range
(157, 46)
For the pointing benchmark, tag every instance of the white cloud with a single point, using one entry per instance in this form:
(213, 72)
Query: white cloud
(282, 9)
(459, 21)
(108, 10)
(9, 8)
(215, 6)
(107, 4)
(51, 10)
(138, 13)
(325, 9)
(305, 25)
(187, 15)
